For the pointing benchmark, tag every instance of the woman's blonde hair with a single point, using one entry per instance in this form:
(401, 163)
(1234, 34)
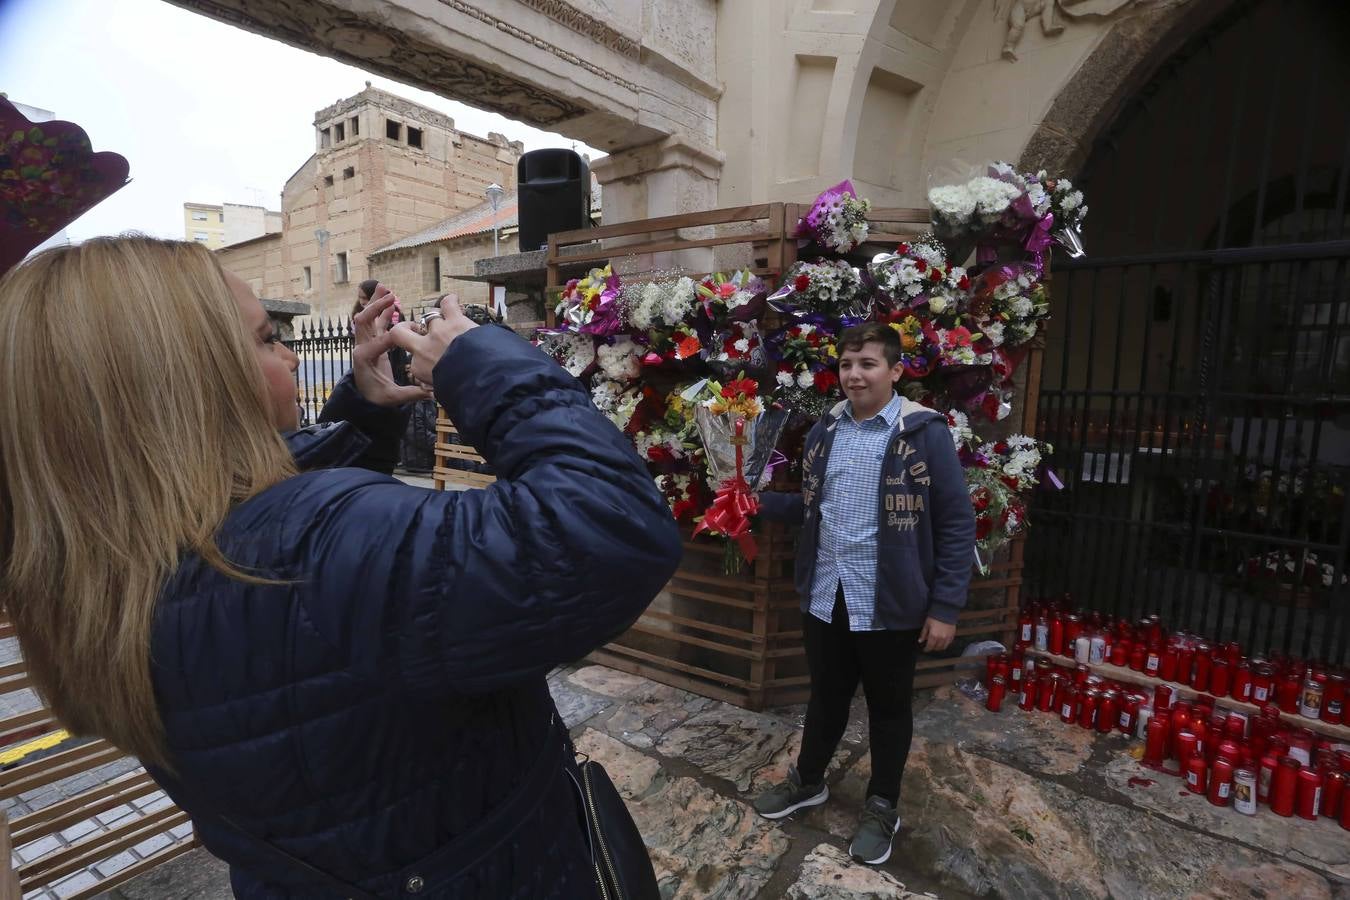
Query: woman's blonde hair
(133, 414)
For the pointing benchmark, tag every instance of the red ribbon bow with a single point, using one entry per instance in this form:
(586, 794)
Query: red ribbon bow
(730, 515)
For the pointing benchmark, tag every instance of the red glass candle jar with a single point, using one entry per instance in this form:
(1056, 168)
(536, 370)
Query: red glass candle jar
(1287, 691)
(1087, 707)
(1284, 787)
(1155, 742)
(1167, 664)
(1181, 721)
(1025, 626)
(1068, 703)
(1195, 769)
(1153, 661)
(1129, 712)
(1187, 744)
(1309, 793)
(1203, 661)
(1120, 653)
(998, 687)
(1073, 627)
(1138, 656)
(1333, 702)
(1232, 653)
(1057, 634)
(1185, 662)
(1265, 776)
(1230, 751)
(1220, 782)
(1235, 726)
(1213, 740)
(1301, 744)
(1242, 681)
(1108, 711)
(1026, 698)
(1333, 793)
(1219, 677)
(1263, 683)
(1016, 661)
(1162, 698)
(1045, 692)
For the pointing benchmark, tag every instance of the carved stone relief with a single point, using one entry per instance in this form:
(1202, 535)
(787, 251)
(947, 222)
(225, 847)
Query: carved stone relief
(1024, 11)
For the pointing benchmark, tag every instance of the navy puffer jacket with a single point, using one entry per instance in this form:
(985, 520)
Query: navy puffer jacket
(369, 709)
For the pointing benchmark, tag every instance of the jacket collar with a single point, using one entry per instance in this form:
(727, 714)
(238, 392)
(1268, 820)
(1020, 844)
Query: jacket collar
(912, 415)
(327, 445)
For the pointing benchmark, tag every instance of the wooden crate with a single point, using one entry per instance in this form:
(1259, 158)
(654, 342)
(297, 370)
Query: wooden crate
(118, 791)
(738, 638)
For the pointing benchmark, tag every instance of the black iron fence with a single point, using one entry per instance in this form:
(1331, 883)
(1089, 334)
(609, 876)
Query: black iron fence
(325, 350)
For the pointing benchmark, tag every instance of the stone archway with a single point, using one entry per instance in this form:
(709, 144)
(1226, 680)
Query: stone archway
(1127, 56)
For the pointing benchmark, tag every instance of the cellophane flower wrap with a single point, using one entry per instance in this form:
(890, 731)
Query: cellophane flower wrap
(837, 219)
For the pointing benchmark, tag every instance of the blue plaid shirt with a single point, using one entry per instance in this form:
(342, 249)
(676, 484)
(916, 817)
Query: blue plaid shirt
(847, 553)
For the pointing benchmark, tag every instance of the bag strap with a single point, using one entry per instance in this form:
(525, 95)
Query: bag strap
(456, 856)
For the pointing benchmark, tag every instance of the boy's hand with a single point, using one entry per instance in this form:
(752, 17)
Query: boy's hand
(936, 636)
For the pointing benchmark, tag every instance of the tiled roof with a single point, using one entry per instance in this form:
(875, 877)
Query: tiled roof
(477, 220)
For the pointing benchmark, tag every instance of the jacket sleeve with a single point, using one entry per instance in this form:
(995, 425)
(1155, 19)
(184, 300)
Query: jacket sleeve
(471, 591)
(383, 425)
(953, 527)
(782, 506)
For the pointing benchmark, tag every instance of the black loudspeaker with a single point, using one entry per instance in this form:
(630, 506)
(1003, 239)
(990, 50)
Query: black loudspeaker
(554, 190)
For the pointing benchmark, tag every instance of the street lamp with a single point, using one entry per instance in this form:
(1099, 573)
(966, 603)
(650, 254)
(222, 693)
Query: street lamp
(322, 235)
(494, 194)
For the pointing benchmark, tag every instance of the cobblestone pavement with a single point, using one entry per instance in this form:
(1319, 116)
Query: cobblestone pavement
(1011, 805)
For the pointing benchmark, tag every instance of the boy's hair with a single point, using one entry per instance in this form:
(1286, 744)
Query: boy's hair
(854, 338)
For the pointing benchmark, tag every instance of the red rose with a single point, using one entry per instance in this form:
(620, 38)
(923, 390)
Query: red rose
(825, 379)
(982, 527)
(903, 249)
(964, 283)
(801, 283)
(921, 265)
(936, 274)
(980, 500)
(660, 454)
(1001, 447)
(1009, 480)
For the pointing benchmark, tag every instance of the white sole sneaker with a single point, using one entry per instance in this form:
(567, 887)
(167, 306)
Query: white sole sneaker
(872, 862)
(809, 801)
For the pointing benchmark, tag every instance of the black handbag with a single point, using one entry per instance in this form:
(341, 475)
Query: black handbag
(623, 870)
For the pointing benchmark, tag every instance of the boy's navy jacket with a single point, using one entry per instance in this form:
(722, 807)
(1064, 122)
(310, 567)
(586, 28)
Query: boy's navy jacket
(383, 690)
(925, 523)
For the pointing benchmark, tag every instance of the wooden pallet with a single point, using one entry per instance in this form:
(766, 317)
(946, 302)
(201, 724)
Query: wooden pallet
(738, 638)
(42, 871)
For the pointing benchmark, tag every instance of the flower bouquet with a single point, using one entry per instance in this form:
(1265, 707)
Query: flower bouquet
(837, 220)
(738, 298)
(574, 352)
(826, 287)
(735, 349)
(805, 381)
(998, 475)
(590, 305)
(672, 348)
(1066, 204)
(738, 436)
(918, 272)
(661, 303)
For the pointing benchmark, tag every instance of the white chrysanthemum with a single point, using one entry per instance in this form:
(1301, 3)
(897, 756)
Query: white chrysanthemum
(620, 361)
(678, 301)
(1040, 199)
(1020, 306)
(742, 346)
(785, 379)
(605, 395)
(994, 331)
(1072, 200)
(805, 379)
(952, 202)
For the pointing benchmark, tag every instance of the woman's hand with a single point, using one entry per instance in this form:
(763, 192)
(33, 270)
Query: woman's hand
(440, 331)
(373, 374)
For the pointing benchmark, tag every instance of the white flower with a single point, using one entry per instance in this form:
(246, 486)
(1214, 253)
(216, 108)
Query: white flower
(784, 378)
(953, 202)
(938, 303)
(678, 301)
(742, 346)
(1071, 201)
(805, 379)
(1020, 306)
(993, 331)
(620, 361)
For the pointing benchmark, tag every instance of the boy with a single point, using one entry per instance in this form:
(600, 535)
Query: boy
(883, 565)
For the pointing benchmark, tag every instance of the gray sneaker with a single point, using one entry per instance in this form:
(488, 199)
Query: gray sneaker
(786, 798)
(872, 843)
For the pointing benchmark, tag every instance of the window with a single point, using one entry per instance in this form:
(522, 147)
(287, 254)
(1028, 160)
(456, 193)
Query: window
(199, 236)
(349, 172)
(325, 139)
(309, 280)
(222, 216)
(341, 269)
(392, 129)
(414, 137)
(433, 273)
(328, 180)
(339, 133)
(355, 123)
(198, 216)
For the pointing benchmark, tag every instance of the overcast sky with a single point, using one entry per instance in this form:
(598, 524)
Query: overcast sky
(145, 79)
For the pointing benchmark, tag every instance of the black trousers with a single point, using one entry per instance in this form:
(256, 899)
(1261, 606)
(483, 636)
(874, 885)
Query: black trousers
(838, 658)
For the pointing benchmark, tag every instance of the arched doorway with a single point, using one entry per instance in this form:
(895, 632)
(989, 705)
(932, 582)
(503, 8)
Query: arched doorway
(1197, 376)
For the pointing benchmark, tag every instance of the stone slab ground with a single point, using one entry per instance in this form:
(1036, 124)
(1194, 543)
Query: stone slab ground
(1011, 805)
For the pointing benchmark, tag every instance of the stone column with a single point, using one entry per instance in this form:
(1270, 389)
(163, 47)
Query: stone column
(283, 313)
(665, 178)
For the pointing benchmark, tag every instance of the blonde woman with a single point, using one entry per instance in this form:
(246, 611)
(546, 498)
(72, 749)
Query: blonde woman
(340, 677)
